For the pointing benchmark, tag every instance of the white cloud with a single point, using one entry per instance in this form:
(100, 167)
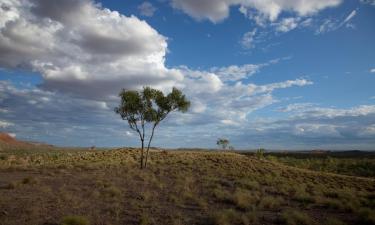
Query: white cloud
(372, 70)
(240, 72)
(248, 39)
(5, 124)
(287, 24)
(12, 135)
(93, 55)
(367, 131)
(329, 25)
(285, 84)
(369, 2)
(350, 16)
(86, 54)
(146, 9)
(218, 10)
(311, 110)
(316, 130)
(235, 72)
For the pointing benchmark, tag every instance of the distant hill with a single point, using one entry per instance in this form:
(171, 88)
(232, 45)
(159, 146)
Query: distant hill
(7, 141)
(5, 138)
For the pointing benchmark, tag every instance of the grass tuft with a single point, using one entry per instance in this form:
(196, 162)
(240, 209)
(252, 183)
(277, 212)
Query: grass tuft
(75, 220)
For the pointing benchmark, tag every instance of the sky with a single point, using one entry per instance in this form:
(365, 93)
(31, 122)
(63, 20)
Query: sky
(276, 74)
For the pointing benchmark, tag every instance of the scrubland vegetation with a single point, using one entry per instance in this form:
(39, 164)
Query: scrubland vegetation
(354, 163)
(68, 187)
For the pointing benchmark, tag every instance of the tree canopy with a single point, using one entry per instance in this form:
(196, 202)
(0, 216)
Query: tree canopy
(149, 106)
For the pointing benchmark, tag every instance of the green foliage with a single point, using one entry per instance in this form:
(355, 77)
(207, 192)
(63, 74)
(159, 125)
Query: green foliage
(149, 106)
(75, 220)
(223, 143)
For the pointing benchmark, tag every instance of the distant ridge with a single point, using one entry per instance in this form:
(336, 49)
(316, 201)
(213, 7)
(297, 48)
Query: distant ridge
(9, 141)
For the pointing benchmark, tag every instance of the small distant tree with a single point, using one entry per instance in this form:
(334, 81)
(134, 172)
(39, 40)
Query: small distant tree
(149, 106)
(223, 143)
(260, 153)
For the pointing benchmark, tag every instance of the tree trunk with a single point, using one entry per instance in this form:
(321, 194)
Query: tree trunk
(142, 153)
(149, 143)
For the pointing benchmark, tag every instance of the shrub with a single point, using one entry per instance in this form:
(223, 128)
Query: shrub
(270, 202)
(3, 157)
(243, 199)
(111, 192)
(29, 180)
(249, 184)
(303, 197)
(11, 185)
(366, 216)
(75, 220)
(293, 217)
(145, 220)
(221, 195)
(331, 203)
(334, 221)
(229, 217)
(260, 153)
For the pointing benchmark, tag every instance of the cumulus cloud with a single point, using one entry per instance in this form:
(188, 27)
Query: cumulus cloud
(81, 48)
(372, 70)
(146, 9)
(218, 10)
(86, 54)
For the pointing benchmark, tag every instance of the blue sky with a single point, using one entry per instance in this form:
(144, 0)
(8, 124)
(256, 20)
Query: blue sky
(278, 74)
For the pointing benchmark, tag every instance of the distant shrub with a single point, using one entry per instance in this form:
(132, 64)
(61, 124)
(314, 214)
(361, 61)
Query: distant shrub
(293, 217)
(331, 203)
(229, 217)
(111, 192)
(11, 185)
(334, 221)
(29, 180)
(366, 216)
(145, 220)
(75, 220)
(331, 194)
(249, 184)
(244, 199)
(303, 197)
(3, 157)
(271, 203)
(260, 153)
(221, 195)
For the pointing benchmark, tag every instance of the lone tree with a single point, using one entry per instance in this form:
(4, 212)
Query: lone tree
(223, 143)
(149, 106)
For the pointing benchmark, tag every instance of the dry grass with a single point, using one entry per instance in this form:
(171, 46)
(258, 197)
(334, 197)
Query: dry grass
(179, 187)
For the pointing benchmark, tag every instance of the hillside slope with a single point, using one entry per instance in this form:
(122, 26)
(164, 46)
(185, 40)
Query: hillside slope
(107, 187)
